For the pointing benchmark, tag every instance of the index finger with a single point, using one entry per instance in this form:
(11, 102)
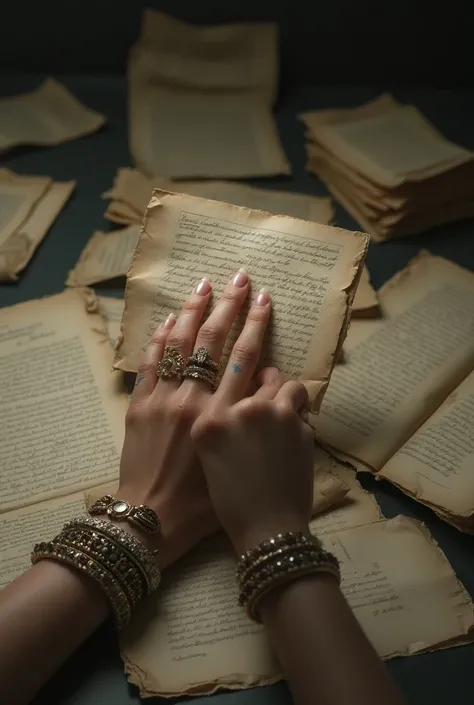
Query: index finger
(245, 354)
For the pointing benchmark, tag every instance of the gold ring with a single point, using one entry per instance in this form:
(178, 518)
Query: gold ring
(201, 373)
(171, 365)
(203, 358)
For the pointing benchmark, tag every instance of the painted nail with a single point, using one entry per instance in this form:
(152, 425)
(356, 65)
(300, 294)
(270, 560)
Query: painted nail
(170, 321)
(263, 298)
(241, 278)
(203, 287)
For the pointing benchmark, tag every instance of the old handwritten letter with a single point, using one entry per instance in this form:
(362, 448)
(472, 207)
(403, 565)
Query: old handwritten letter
(47, 116)
(28, 207)
(59, 397)
(403, 404)
(112, 310)
(106, 256)
(200, 100)
(132, 191)
(311, 271)
(194, 639)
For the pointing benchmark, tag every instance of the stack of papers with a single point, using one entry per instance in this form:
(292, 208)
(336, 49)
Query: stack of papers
(200, 100)
(389, 167)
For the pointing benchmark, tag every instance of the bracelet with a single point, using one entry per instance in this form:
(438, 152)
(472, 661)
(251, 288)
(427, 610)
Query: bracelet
(141, 516)
(278, 561)
(120, 564)
(52, 550)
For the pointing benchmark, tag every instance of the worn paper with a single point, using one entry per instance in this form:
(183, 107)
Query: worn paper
(28, 207)
(47, 116)
(401, 367)
(194, 639)
(200, 100)
(112, 310)
(366, 303)
(106, 256)
(132, 191)
(58, 397)
(310, 270)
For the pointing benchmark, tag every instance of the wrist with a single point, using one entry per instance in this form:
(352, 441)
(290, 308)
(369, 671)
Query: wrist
(255, 535)
(291, 595)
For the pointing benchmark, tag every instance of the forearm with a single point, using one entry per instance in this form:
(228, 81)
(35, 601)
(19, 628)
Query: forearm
(44, 616)
(324, 653)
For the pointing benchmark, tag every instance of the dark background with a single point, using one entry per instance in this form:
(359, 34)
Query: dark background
(334, 53)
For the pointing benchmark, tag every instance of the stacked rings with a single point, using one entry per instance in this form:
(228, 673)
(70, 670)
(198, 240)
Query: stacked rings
(201, 366)
(171, 365)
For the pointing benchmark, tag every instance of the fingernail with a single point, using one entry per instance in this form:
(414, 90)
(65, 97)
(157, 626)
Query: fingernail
(203, 287)
(170, 321)
(241, 278)
(263, 298)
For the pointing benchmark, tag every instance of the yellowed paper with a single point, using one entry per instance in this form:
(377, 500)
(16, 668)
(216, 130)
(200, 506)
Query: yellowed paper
(400, 368)
(47, 116)
(106, 256)
(20, 529)
(62, 411)
(201, 97)
(310, 270)
(132, 191)
(389, 146)
(112, 310)
(194, 639)
(366, 303)
(28, 207)
(435, 465)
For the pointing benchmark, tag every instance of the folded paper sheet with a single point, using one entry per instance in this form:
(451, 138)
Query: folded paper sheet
(132, 191)
(402, 404)
(196, 640)
(28, 207)
(183, 236)
(58, 398)
(106, 256)
(47, 116)
(389, 167)
(200, 99)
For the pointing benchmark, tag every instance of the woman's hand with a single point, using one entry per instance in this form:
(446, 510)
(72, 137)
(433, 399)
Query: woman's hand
(159, 466)
(256, 452)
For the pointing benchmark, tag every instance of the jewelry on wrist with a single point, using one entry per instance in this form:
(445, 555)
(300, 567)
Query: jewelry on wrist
(141, 516)
(120, 563)
(278, 561)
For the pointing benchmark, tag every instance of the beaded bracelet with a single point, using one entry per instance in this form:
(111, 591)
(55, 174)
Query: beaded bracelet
(277, 561)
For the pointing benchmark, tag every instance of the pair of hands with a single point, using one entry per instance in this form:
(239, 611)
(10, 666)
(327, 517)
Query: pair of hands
(201, 459)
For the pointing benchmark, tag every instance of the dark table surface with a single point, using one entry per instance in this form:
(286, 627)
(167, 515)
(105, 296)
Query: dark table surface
(94, 675)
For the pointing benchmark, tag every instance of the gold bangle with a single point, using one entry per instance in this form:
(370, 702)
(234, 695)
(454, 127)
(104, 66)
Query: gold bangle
(116, 596)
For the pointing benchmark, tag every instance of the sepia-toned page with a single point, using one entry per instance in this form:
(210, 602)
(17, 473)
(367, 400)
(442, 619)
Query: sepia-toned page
(62, 411)
(311, 271)
(47, 116)
(18, 197)
(18, 249)
(106, 256)
(194, 639)
(183, 134)
(392, 147)
(401, 367)
(436, 464)
(20, 529)
(132, 191)
(112, 310)
(366, 303)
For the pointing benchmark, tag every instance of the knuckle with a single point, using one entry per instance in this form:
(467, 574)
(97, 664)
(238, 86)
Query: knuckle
(210, 333)
(184, 412)
(245, 351)
(158, 336)
(257, 314)
(207, 427)
(134, 415)
(285, 411)
(147, 367)
(229, 296)
(192, 305)
(177, 340)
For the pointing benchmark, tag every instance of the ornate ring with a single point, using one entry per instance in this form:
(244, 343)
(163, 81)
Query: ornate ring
(200, 365)
(197, 372)
(171, 365)
(141, 516)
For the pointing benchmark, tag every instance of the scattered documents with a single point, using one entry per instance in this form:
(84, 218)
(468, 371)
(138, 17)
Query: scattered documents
(106, 256)
(132, 190)
(28, 207)
(403, 402)
(112, 311)
(200, 99)
(47, 116)
(311, 271)
(389, 167)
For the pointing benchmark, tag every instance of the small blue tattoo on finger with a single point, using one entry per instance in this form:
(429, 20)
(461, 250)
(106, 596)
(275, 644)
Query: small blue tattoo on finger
(236, 368)
(140, 379)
